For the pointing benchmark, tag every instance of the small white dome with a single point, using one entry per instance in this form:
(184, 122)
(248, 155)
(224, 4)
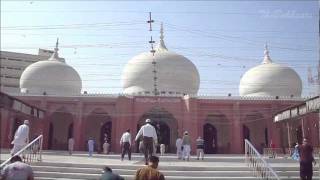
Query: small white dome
(270, 79)
(52, 77)
(175, 73)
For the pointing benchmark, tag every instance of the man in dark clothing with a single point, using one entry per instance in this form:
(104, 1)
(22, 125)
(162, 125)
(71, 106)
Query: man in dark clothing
(306, 159)
(150, 172)
(109, 175)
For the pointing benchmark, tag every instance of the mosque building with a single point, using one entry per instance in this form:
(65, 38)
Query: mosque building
(223, 122)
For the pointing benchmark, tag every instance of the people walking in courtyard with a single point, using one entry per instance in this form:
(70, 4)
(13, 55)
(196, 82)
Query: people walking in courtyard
(306, 159)
(21, 137)
(70, 145)
(109, 175)
(150, 172)
(186, 142)
(179, 147)
(200, 147)
(90, 146)
(17, 170)
(125, 143)
(149, 136)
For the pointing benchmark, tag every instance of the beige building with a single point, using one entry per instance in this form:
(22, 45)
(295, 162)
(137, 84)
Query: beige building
(12, 65)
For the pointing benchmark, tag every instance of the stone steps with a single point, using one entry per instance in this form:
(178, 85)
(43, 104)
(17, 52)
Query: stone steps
(213, 167)
(59, 165)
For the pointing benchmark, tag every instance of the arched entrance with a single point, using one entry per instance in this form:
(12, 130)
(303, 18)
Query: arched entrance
(216, 133)
(98, 123)
(105, 133)
(210, 139)
(165, 125)
(59, 129)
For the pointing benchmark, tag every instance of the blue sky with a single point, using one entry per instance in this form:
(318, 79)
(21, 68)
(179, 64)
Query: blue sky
(222, 38)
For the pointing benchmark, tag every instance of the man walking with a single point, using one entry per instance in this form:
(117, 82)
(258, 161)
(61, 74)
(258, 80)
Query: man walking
(149, 136)
(179, 147)
(306, 159)
(186, 143)
(70, 145)
(200, 147)
(90, 147)
(21, 137)
(125, 143)
(150, 172)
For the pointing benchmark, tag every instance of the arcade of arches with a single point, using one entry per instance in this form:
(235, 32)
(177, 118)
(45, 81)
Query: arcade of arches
(223, 131)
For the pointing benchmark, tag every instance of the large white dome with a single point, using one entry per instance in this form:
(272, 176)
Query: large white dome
(53, 77)
(270, 79)
(175, 73)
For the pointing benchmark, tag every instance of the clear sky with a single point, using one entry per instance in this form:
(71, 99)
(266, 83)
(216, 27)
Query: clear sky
(222, 38)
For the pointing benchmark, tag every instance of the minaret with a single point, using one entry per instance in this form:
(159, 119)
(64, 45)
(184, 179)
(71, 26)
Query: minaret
(161, 45)
(266, 58)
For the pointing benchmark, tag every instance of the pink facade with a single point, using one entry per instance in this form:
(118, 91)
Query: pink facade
(224, 122)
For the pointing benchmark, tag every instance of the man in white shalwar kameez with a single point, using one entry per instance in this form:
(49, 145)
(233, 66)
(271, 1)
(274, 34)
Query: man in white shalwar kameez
(21, 137)
(178, 146)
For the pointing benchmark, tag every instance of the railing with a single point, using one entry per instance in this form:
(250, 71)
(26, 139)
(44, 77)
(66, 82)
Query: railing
(261, 168)
(30, 153)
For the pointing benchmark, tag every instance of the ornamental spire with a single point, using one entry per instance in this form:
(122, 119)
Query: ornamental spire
(161, 45)
(55, 55)
(266, 58)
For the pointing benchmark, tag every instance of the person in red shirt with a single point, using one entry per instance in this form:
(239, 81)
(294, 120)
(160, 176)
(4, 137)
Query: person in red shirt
(306, 159)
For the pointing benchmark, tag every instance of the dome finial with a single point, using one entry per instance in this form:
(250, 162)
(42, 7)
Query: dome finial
(55, 55)
(266, 58)
(57, 44)
(161, 32)
(161, 45)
